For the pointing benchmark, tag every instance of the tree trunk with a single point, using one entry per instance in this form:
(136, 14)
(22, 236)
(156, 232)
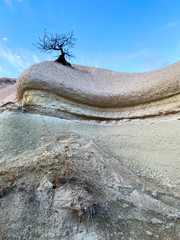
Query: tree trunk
(61, 59)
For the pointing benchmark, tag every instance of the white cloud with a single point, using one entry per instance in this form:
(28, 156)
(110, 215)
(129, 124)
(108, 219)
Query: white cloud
(12, 58)
(172, 24)
(5, 39)
(9, 2)
(113, 60)
(18, 61)
(155, 62)
(135, 54)
(1, 70)
(35, 58)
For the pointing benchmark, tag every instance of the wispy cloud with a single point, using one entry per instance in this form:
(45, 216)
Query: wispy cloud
(1, 70)
(10, 2)
(167, 26)
(155, 62)
(19, 62)
(172, 24)
(5, 39)
(135, 54)
(112, 60)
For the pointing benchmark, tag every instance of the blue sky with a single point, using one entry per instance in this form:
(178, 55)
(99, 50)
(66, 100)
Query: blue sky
(120, 35)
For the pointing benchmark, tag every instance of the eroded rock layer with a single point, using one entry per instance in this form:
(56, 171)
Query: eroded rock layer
(68, 188)
(98, 93)
(149, 150)
(89, 153)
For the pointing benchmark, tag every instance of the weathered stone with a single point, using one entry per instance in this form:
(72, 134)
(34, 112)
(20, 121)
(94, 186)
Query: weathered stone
(4, 82)
(118, 179)
(53, 89)
(150, 150)
(7, 95)
(90, 190)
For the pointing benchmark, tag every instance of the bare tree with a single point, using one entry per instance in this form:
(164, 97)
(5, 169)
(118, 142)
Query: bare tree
(57, 42)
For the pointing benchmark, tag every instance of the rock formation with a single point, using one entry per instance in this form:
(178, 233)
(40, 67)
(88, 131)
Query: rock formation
(68, 188)
(88, 153)
(7, 91)
(98, 93)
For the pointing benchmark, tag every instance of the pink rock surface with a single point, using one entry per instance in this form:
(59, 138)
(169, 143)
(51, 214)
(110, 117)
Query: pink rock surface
(7, 95)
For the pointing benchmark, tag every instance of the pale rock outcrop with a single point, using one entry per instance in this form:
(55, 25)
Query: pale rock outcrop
(7, 92)
(149, 150)
(84, 93)
(68, 188)
(5, 82)
(8, 95)
(99, 93)
(118, 179)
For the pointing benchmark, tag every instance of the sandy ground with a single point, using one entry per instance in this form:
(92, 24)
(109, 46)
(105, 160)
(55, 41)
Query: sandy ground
(7, 91)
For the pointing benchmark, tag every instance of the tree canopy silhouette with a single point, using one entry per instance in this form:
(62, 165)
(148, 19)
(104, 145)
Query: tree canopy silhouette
(58, 42)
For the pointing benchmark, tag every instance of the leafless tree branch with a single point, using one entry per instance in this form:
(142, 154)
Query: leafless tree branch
(57, 42)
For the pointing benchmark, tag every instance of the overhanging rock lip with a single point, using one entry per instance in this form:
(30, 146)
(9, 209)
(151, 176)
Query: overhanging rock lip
(100, 87)
(51, 104)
